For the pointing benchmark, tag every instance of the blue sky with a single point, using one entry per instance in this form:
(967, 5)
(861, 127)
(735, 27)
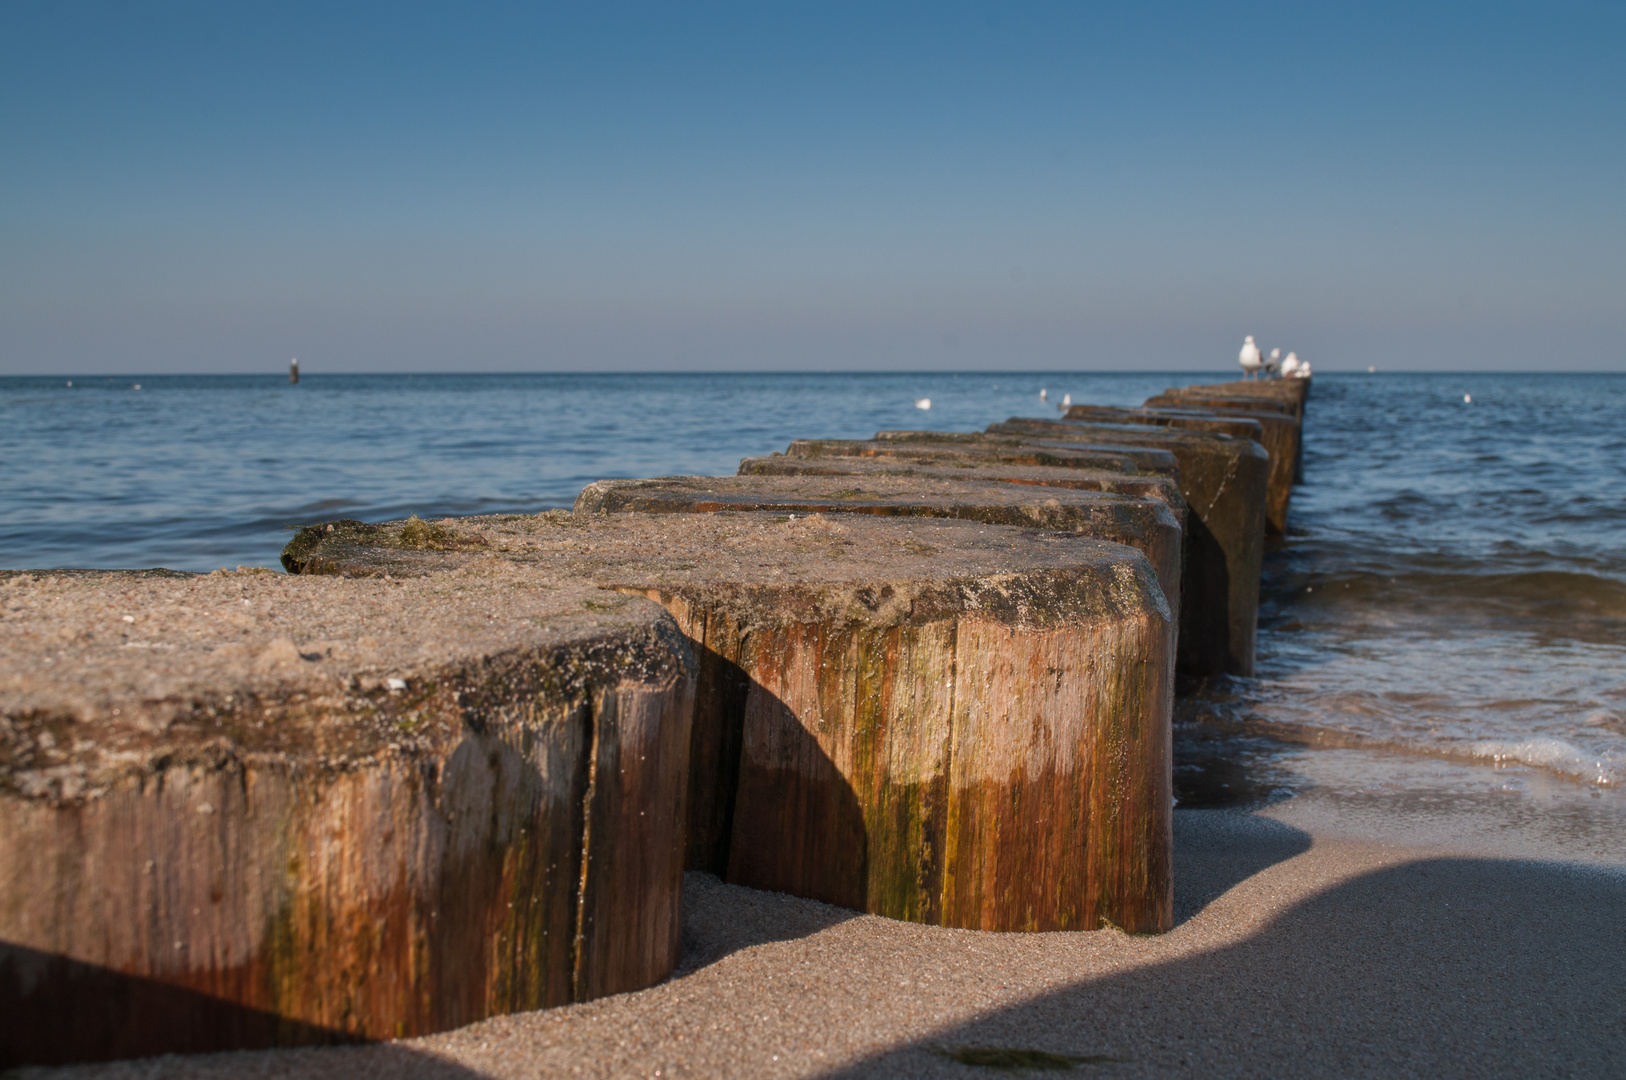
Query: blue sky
(219, 187)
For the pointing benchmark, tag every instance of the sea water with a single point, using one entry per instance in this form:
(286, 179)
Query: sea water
(1451, 597)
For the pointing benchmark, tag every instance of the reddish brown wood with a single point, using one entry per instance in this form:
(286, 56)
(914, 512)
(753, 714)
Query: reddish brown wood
(1224, 482)
(228, 828)
(867, 649)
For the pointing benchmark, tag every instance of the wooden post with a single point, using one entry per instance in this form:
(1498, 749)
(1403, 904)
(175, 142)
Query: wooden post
(247, 809)
(1295, 392)
(1281, 438)
(1224, 483)
(1286, 396)
(1278, 434)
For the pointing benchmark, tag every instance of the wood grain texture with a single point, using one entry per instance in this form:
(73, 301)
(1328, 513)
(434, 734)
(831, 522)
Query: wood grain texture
(1224, 481)
(960, 760)
(838, 646)
(261, 854)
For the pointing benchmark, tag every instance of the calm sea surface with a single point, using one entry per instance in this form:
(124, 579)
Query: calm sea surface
(1454, 590)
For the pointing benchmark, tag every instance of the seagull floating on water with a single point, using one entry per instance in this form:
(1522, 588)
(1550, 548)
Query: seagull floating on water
(923, 403)
(1249, 357)
(1066, 401)
(1044, 395)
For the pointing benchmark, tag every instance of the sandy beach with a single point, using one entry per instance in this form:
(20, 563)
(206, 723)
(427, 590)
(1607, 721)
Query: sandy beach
(1348, 933)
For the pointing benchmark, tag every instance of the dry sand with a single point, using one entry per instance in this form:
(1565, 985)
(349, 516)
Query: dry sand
(1346, 934)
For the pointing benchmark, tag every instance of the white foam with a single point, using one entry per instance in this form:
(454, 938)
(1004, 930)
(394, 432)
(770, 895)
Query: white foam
(1553, 754)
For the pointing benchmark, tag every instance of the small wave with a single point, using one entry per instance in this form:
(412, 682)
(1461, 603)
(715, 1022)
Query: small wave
(1222, 709)
(1548, 603)
(1555, 755)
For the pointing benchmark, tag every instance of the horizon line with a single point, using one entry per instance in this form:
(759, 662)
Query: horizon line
(282, 373)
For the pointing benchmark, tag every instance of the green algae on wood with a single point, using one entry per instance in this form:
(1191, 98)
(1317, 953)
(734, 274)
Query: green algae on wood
(278, 810)
(1224, 481)
(864, 723)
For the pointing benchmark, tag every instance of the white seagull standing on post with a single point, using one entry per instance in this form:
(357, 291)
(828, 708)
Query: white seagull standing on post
(1249, 357)
(1273, 361)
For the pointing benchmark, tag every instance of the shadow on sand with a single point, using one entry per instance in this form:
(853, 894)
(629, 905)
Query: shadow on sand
(1441, 967)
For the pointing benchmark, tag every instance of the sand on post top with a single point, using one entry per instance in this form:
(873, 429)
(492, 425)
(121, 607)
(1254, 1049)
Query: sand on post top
(1147, 524)
(247, 809)
(874, 693)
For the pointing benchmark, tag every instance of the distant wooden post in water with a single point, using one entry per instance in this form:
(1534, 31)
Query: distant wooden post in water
(293, 371)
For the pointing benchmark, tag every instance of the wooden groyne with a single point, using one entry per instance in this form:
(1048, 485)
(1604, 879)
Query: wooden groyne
(444, 771)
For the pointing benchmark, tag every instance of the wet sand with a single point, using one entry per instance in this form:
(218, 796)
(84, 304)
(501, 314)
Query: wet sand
(1347, 933)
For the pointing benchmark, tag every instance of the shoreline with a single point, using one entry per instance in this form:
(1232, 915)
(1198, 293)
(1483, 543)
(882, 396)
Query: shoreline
(1409, 934)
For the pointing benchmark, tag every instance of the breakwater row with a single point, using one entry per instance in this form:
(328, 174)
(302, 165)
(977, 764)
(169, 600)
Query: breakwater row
(447, 770)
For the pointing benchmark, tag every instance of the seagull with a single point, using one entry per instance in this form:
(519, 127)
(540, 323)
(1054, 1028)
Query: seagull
(1066, 401)
(1044, 395)
(1274, 360)
(923, 403)
(1249, 357)
(1290, 366)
